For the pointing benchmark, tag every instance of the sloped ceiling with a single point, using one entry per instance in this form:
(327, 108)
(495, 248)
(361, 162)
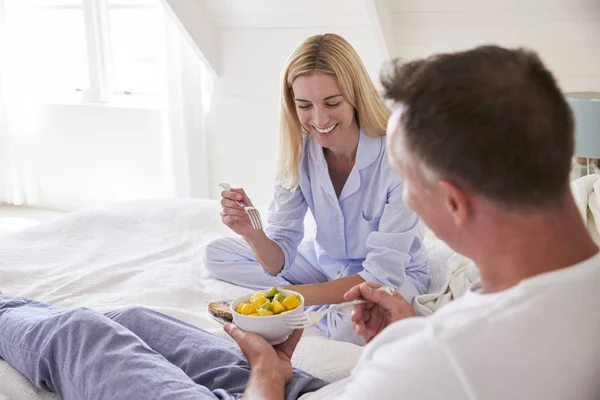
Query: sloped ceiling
(202, 20)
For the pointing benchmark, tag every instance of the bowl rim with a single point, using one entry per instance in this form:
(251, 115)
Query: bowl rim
(233, 312)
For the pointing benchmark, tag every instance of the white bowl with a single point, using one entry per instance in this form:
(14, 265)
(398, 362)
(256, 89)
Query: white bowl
(271, 327)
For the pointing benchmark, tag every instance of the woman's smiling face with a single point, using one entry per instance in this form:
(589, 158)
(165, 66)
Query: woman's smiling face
(322, 110)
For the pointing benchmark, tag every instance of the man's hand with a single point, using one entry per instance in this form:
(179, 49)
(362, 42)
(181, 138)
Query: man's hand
(265, 357)
(382, 310)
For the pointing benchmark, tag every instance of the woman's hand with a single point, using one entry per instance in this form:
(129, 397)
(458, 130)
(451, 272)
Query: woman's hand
(267, 252)
(234, 216)
(382, 310)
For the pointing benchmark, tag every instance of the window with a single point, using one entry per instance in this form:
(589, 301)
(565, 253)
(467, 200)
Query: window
(101, 50)
(63, 61)
(136, 38)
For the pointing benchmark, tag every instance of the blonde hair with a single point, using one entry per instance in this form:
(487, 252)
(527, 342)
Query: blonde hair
(330, 54)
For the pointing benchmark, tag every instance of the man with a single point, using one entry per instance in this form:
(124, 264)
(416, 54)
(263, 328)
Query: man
(483, 139)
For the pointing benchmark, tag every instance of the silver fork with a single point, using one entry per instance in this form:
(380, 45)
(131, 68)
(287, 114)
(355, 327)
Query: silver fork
(311, 318)
(251, 211)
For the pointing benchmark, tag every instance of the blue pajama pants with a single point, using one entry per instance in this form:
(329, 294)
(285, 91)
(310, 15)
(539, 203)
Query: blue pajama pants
(133, 353)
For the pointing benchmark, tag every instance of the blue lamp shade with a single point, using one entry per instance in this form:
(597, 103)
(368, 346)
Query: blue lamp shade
(586, 111)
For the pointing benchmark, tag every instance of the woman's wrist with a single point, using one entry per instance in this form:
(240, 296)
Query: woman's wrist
(267, 252)
(253, 239)
(330, 292)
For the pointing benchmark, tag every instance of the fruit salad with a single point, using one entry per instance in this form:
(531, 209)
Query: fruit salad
(272, 302)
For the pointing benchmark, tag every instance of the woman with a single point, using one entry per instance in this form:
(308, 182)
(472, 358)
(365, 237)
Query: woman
(332, 161)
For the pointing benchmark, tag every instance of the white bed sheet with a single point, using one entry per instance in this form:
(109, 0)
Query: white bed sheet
(145, 253)
(150, 253)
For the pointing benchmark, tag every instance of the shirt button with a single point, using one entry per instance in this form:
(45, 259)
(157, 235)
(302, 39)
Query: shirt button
(341, 238)
(339, 216)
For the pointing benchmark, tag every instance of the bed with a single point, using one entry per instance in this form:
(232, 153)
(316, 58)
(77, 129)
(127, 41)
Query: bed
(150, 253)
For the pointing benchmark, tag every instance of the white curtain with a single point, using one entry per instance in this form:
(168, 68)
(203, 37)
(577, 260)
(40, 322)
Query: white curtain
(189, 86)
(19, 112)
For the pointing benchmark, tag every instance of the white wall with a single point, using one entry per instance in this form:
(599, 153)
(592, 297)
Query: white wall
(91, 146)
(91, 154)
(244, 118)
(243, 125)
(566, 33)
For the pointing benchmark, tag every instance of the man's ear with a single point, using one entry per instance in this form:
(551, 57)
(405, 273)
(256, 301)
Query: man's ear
(457, 201)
